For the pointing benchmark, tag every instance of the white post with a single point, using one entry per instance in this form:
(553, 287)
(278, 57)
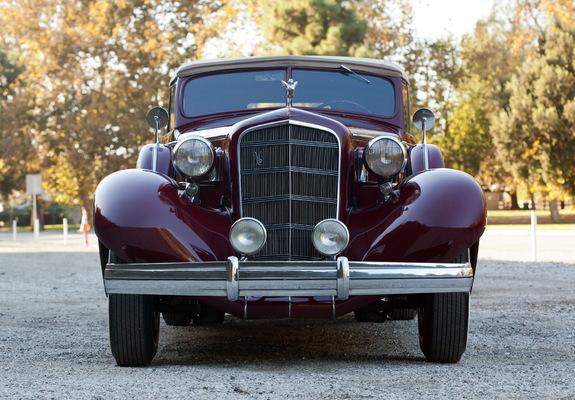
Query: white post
(36, 228)
(534, 235)
(14, 229)
(65, 228)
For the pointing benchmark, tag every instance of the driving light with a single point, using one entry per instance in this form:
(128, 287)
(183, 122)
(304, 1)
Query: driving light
(194, 157)
(248, 235)
(385, 157)
(330, 237)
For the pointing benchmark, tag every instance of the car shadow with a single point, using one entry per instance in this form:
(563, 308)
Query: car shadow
(288, 342)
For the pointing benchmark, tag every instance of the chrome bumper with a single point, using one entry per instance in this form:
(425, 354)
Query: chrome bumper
(234, 279)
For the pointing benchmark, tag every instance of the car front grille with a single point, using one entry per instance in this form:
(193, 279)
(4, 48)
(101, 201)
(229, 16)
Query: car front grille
(289, 182)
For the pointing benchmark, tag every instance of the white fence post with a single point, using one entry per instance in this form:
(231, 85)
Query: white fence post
(534, 235)
(14, 229)
(36, 229)
(65, 228)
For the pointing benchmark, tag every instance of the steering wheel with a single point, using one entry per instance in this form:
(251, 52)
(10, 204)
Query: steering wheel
(347, 106)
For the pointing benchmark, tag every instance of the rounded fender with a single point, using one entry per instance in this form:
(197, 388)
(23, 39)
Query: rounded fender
(141, 216)
(435, 216)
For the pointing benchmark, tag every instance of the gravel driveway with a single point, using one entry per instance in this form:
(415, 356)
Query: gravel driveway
(54, 342)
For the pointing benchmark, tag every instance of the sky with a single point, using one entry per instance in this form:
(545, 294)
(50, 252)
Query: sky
(438, 18)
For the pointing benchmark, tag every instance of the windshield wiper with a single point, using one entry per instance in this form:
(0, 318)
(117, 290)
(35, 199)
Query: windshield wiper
(361, 78)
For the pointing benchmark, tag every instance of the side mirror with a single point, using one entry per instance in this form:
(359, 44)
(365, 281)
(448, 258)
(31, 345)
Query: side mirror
(157, 119)
(423, 119)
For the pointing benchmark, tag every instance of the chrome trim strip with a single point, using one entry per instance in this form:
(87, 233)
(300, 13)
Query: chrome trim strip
(234, 279)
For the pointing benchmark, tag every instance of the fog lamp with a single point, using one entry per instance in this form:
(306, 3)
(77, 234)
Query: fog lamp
(330, 237)
(385, 156)
(248, 236)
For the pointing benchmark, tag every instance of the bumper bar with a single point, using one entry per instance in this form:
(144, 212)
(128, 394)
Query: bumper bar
(234, 279)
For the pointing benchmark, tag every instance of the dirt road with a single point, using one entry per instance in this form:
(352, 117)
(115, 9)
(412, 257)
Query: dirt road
(54, 342)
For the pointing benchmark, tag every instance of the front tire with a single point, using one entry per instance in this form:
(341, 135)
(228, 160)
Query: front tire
(134, 327)
(443, 322)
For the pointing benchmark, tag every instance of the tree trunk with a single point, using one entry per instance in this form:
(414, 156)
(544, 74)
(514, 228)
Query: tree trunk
(514, 202)
(554, 211)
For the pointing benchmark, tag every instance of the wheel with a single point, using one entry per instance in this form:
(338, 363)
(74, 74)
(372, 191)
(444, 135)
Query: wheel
(443, 322)
(403, 314)
(174, 319)
(134, 327)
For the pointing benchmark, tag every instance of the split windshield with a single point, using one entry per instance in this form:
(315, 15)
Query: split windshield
(340, 89)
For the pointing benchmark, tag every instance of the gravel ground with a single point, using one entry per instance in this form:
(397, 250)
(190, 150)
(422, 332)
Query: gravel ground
(54, 342)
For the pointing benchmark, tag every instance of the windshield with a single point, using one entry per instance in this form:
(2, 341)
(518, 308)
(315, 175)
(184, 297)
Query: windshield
(234, 91)
(340, 89)
(344, 90)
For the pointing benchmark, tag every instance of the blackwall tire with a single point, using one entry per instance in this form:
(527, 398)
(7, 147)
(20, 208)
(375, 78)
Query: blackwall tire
(134, 327)
(443, 324)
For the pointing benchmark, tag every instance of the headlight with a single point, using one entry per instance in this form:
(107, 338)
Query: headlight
(330, 237)
(248, 235)
(194, 157)
(385, 156)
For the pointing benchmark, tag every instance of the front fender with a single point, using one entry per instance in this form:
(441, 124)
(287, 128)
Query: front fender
(435, 216)
(140, 216)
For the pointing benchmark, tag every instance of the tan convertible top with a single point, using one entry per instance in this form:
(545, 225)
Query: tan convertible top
(360, 64)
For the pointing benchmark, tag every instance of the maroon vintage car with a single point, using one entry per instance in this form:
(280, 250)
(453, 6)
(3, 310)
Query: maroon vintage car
(288, 187)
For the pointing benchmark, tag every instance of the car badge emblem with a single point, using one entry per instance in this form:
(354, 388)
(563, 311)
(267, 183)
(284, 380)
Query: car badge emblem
(258, 158)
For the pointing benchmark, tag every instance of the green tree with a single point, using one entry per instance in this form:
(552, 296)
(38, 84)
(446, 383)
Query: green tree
(485, 67)
(536, 135)
(364, 28)
(325, 27)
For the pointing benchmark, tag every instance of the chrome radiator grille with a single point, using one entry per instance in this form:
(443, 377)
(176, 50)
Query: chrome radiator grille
(289, 181)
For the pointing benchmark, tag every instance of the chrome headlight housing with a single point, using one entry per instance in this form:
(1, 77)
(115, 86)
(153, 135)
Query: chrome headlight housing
(194, 157)
(248, 236)
(330, 237)
(385, 156)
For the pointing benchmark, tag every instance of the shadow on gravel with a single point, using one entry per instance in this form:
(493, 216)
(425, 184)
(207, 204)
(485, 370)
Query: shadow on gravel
(276, 344)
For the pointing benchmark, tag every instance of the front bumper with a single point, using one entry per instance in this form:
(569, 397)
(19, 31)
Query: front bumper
(234, 279)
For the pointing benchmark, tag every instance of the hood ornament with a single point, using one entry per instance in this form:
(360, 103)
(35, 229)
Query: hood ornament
(290, 90)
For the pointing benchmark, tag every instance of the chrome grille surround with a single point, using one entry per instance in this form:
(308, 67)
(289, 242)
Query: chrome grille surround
(289, 180)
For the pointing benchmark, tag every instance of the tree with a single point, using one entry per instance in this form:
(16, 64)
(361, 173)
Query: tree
(325, 27)
(536, 135)
(19, 143)
(366, 28)
(486, 65)
(92, 70)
